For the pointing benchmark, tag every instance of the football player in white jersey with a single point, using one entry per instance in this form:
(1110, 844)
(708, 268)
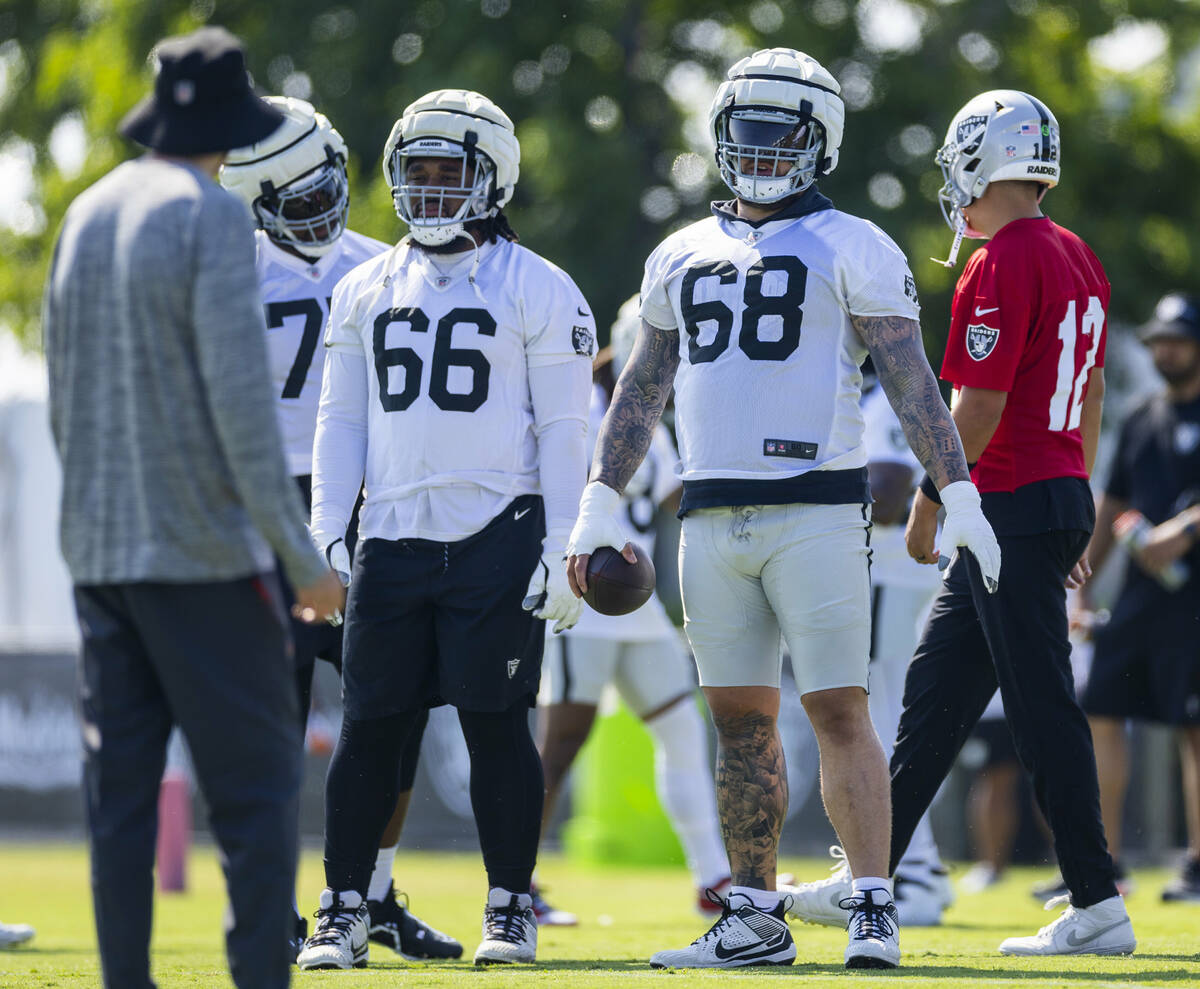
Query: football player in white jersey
(457, 374)
(761, 316)
(294, 183)
(642, 656)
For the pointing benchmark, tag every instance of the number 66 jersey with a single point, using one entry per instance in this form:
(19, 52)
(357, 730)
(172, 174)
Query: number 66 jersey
(767, 391)
(427, 389)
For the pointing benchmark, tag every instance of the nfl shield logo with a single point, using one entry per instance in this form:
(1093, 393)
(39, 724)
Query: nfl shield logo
(981, 341)
(442, 281)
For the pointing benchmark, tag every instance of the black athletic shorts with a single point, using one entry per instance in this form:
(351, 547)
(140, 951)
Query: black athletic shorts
(431, 623)
(1146, 663)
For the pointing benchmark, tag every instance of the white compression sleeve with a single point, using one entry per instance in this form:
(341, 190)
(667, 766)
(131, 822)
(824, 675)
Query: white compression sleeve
(561, 393)
(340, 445)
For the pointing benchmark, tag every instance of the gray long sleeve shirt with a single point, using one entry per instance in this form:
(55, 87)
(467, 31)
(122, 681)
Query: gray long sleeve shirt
(160, 399)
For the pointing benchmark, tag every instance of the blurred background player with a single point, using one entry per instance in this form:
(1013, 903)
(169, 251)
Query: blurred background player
(295, 185)
(1147, 662)
(456, 382)
(775, 534)
(642, 656)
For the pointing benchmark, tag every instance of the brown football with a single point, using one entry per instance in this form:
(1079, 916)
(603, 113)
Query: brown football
(616, 587)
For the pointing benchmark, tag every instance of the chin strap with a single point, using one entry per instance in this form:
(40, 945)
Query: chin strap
(959, 231)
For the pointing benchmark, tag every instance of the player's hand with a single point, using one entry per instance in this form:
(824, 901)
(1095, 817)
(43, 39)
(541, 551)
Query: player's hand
(320, 601)
(921, 530)
(549, 596)
(966, 526)
(1079, 575)
(596, 526)
(1166, 543)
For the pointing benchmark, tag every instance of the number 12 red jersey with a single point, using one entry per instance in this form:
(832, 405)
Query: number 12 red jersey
(1028, 318)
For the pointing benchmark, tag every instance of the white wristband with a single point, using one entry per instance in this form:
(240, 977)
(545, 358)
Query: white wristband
(959, 495)
(599, 499)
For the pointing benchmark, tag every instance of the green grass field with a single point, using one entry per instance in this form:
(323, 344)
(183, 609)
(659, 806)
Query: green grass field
(626, 914)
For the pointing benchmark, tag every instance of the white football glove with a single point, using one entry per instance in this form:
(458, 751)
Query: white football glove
(549, 595)
(966, 525)
(596, 524)
(338, 558)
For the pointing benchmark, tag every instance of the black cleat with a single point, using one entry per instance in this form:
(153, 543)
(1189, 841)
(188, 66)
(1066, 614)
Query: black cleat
(299, 936)
(1185, 887)
(394, 927)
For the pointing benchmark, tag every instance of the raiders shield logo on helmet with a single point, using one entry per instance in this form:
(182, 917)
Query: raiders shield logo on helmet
(981, 340)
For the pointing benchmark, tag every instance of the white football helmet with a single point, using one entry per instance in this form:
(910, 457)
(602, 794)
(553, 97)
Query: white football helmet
(999, 135)
(777, 107)
(294, 181)
(468, 128)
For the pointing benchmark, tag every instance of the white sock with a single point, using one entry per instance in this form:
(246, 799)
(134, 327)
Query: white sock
(350, 898)
(861, 885)
(381, 878)
(683, 777)
(763, 899)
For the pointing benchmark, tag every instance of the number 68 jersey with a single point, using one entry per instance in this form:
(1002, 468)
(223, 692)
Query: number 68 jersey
(430, 357)
(768, 383)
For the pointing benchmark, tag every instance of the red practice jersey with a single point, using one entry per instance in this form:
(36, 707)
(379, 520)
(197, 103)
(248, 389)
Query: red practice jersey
(1028, 318)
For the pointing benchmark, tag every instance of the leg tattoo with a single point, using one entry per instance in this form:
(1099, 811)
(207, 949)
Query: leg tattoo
(752, 796)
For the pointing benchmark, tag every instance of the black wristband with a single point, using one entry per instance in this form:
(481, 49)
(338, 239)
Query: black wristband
(929, 489)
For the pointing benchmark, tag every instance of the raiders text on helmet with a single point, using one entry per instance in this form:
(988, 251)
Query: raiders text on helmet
(1000, 135)
(777, 121)
(294, 181)
(460, 125)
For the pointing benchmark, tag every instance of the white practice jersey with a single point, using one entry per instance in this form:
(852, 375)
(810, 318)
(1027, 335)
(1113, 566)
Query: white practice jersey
(891, 566)
(652, 483)
(442, 390)
(768, 382)
(296, 296)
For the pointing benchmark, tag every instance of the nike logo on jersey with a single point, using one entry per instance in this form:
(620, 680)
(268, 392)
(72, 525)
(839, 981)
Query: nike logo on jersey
(980, 311)
(1075, 941)
(581, 312)
(518, 515)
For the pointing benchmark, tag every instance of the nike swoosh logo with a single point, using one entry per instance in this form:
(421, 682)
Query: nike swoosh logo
(1075, 942)
(581, 312)
(769, 948)
(521, 514)
(984, 312)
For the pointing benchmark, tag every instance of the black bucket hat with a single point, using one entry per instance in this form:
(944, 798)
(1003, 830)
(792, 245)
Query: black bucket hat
(1176, 315)
(202, 100)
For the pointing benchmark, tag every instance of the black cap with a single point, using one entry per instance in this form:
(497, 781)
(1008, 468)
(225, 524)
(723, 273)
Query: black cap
(1176, 315)
(202, 100)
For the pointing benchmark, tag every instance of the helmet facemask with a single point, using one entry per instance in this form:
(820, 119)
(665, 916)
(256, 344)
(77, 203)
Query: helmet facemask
(309, 213)
(437, 213)
(766, 154)
(955, 158)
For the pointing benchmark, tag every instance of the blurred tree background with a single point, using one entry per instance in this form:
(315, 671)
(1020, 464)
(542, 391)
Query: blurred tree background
(610, 100)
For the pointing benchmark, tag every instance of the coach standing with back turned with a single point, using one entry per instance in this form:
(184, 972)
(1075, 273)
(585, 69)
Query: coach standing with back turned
(172, 475)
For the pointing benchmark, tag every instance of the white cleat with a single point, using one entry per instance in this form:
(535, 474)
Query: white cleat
(1101, 929)
(874, 928)
(979, 877)
(921, 895)
(340, 938)
(509, 929)
(744, 935)
(547, 915)
(12, 935)
(820, 902)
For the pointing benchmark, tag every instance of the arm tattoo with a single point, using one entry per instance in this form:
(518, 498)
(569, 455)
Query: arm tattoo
(752, 795)
(904, 371)
(638, 402)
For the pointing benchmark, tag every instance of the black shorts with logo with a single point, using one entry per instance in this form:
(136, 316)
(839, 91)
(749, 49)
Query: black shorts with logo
(431, 623)
(1146, 663)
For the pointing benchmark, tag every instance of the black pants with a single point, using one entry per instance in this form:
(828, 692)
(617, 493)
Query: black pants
(1017, 639)
(214, 659)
